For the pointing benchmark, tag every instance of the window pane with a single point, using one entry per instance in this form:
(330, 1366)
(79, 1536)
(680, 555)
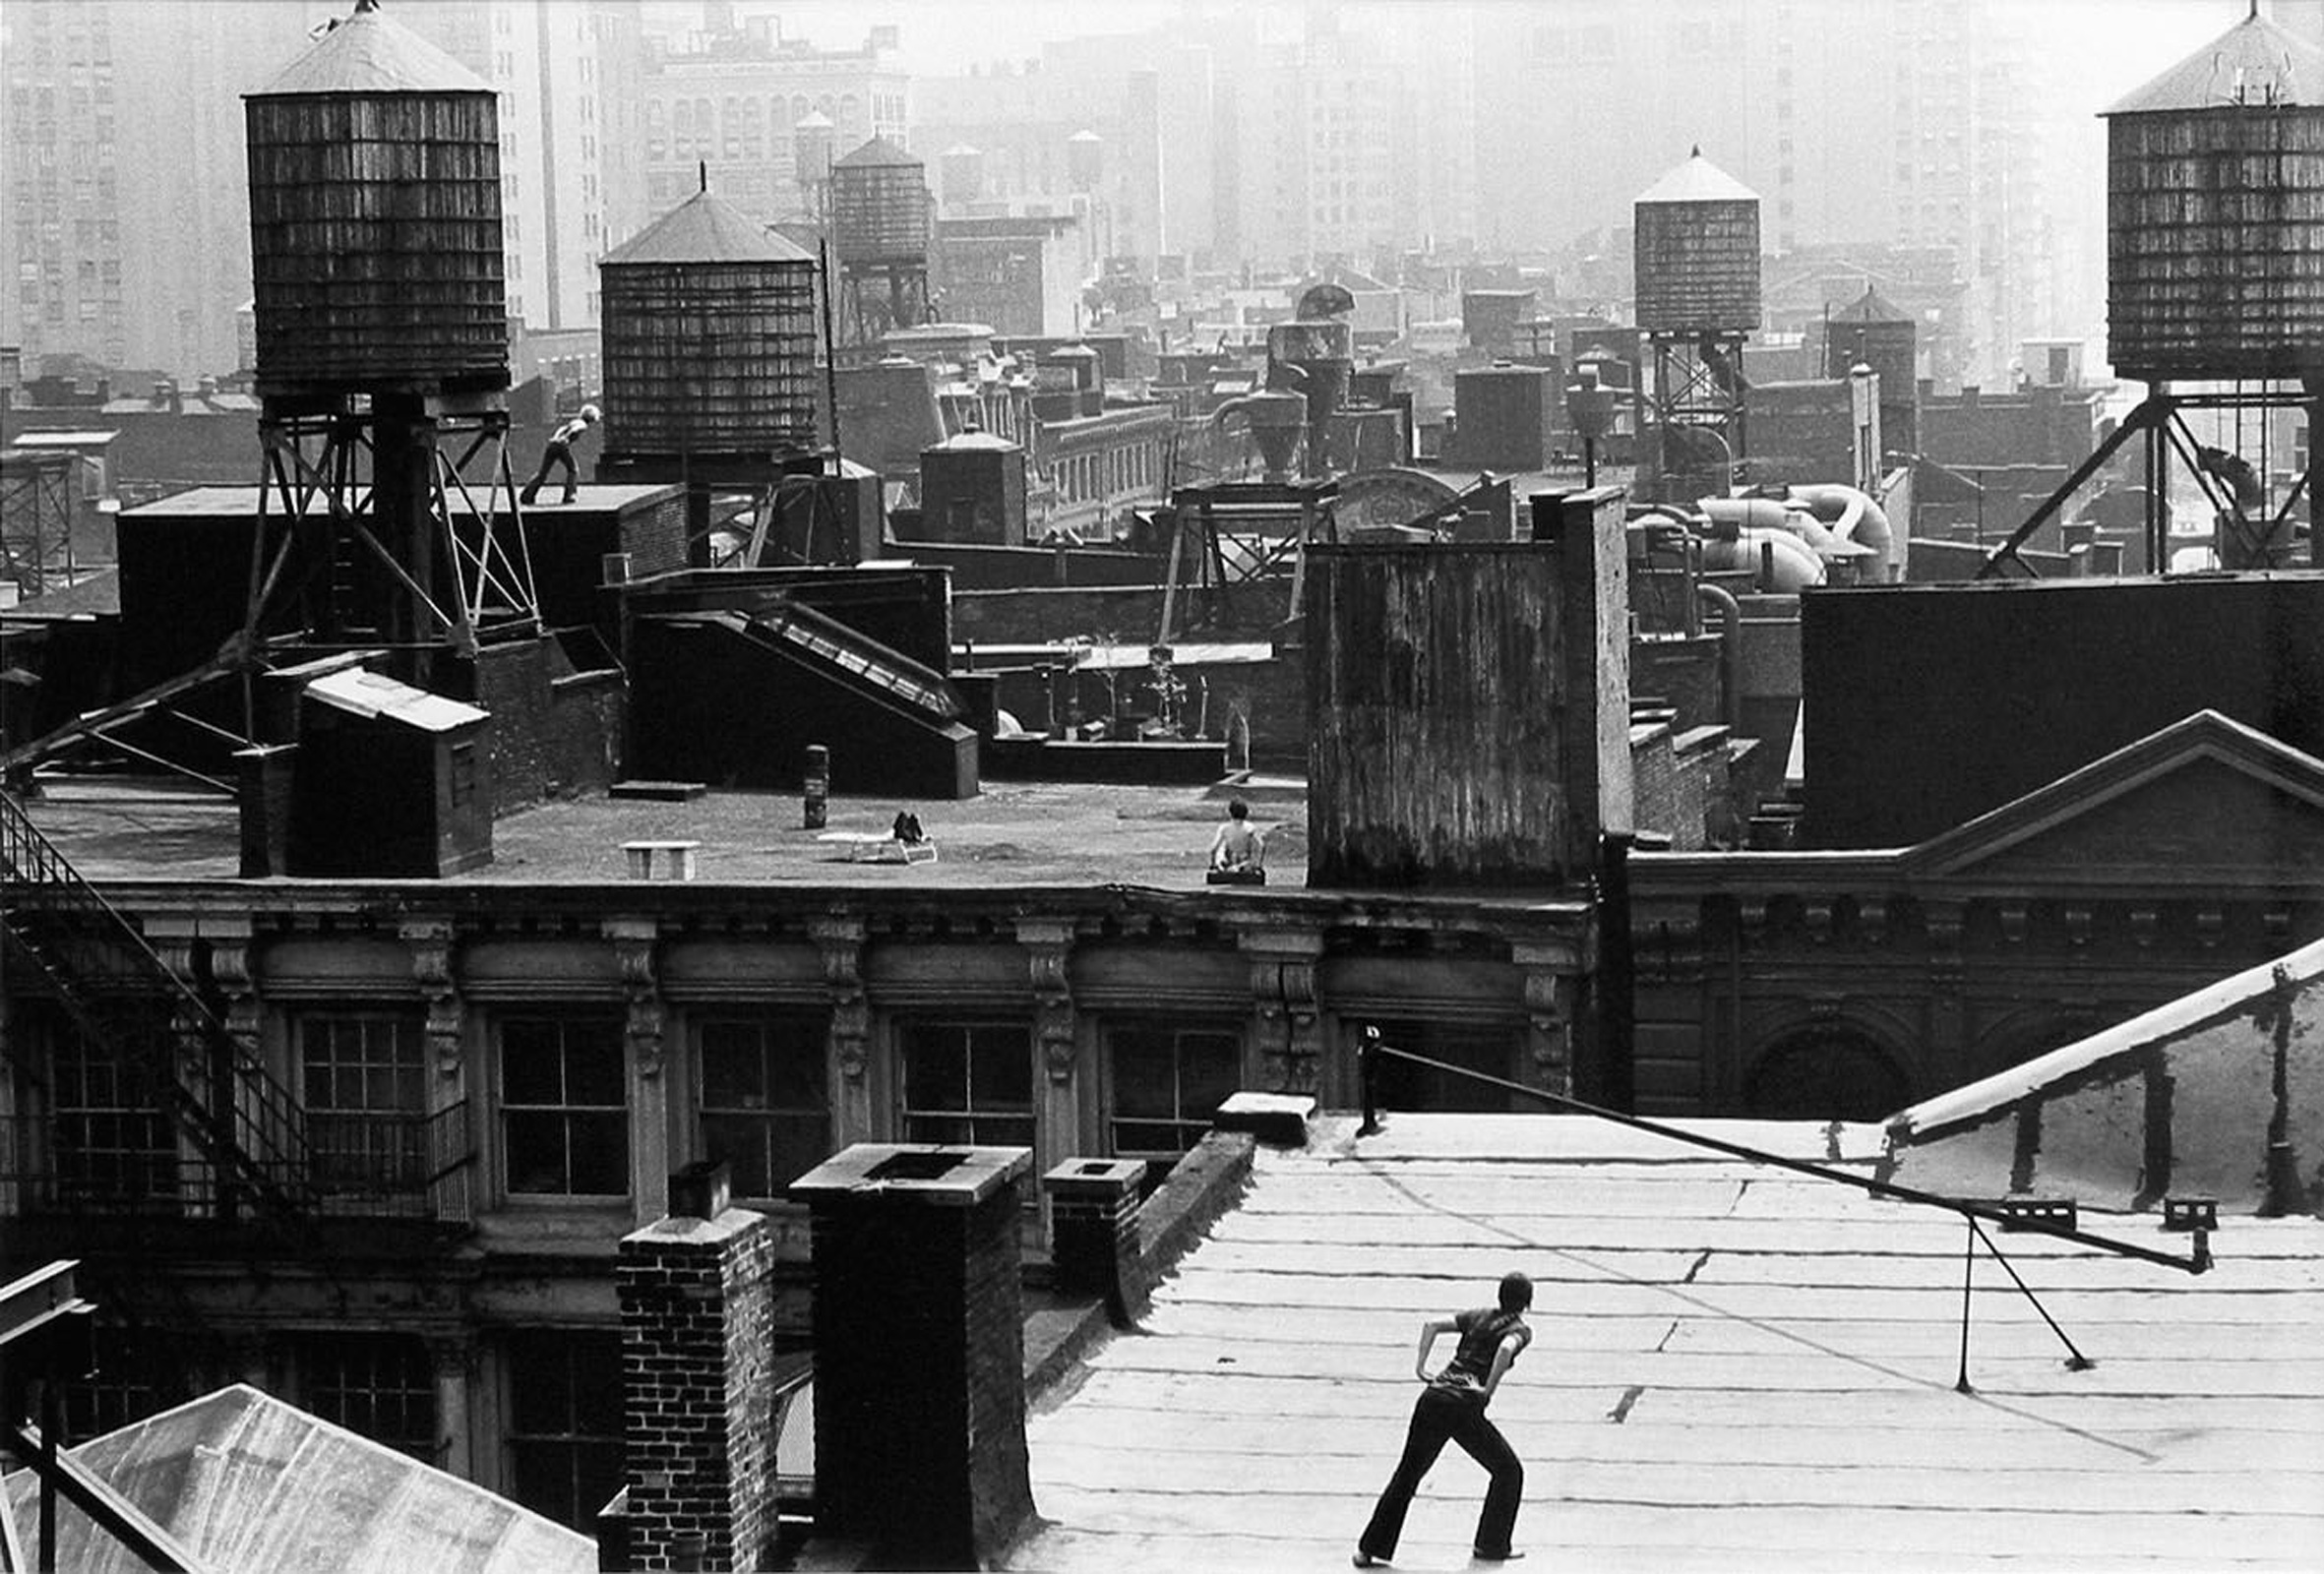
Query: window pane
(1003, 1131)
(596, 1363)
(1210, 1072)
(541, 1477)
(733, 1068)
(531, 1063)
(800, 1143)
(541, 1383)
(536, 1151)
(599, 1153)
(1143, 1075)
(937, 1128)
(1002, 1074)
(740, 1141)
(936, 1068)
(594, 1072)
(795, 1066)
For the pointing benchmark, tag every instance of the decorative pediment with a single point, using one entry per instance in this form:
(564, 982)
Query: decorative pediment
(2204, 801)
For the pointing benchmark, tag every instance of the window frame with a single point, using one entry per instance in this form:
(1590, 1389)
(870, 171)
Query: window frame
(574, 1441)
(405, 1151)
(345, 1396)
(565, 1023)
(910, 1045)
(814, 1026)
(1113, 1032)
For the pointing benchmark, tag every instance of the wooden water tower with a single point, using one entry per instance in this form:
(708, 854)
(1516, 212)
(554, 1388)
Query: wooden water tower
(879, 225)
(1871, 332)
(1696, 270)
(2215, 284)
(387, 514)
(709, 345)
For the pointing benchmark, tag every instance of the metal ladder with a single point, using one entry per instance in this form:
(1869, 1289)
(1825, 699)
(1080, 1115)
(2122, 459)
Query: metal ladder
(120, 994)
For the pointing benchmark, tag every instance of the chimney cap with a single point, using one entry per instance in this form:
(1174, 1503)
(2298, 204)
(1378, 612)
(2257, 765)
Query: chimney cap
(927, 1173)
(701, 1189)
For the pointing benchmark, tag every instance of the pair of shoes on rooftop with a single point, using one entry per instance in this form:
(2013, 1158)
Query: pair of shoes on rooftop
(1364, 1559)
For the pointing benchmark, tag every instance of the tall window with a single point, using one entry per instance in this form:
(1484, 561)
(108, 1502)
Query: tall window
(565, 1422)
(1168, 1082)
(1492, 1048)
(969, 1082)
(381, 1385)
(115, 1148)
(764, 1103)
(365, 1090)
(137, 1373)
(565, 1120)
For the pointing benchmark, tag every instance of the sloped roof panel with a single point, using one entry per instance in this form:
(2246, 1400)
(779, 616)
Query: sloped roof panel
(368, 53)
(247, 1481)
(704, 229)
(1698, 180)
(2254, 62)
(878, 154)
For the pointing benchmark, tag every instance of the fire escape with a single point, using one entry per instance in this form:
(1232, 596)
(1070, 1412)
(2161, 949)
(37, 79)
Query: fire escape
(190, 1122)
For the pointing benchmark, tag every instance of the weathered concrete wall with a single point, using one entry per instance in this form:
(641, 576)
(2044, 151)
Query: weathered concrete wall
(2220, 1094)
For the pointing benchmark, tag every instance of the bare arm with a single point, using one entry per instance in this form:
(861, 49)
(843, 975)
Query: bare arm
(1428, 1336)
(1502, 1358)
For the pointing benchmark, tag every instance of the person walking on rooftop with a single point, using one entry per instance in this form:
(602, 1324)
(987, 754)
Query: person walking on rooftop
(559, 452)
(1452, 1407)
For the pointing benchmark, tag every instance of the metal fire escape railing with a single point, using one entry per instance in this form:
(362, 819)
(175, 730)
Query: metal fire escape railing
(250, 1132)
(1975, 1214)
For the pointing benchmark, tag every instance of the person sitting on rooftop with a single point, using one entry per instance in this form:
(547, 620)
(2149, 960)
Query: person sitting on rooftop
(1238, 846)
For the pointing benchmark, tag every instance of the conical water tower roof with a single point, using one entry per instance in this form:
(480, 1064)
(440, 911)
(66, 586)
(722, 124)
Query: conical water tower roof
(878, 154)
(705, 229)
(1872, 307)
(2253, 62)
(369, 53)
(1698, 180)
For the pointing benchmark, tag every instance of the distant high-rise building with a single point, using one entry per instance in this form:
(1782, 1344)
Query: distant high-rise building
(1353, 141)
(1139, 108)
(551, 62)
(1911, 123)
(720, 103)
(124, 218)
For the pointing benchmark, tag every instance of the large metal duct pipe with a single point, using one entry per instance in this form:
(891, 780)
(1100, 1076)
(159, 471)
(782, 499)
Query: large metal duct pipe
(1277, 420)
(1730, 652)
(1730, 515)
(1853, 516)
(1785, 564)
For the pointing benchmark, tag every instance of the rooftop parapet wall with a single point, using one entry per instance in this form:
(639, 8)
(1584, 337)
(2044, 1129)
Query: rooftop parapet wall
(2220, 1094)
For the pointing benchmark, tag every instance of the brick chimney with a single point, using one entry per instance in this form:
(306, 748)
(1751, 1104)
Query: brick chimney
(698, 1317)
(919, 1352)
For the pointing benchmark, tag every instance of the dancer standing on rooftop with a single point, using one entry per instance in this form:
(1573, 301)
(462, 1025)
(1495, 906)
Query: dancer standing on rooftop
(1453, 1408)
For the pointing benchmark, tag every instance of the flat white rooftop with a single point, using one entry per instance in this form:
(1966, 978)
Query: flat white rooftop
(1735, 1368)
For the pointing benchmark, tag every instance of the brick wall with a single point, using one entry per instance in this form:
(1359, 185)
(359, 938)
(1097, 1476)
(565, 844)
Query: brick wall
(1679, 672)
(2036, 426)
(699, 1413)
(654, 536)
(554, 733)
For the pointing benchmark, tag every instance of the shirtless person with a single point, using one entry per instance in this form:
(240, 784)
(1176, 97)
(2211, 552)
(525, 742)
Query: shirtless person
(1237, 845)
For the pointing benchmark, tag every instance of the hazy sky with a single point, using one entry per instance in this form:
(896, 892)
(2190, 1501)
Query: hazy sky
(2111, 47)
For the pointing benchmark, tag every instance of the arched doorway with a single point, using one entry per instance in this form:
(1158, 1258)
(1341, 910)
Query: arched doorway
(1825, 1073)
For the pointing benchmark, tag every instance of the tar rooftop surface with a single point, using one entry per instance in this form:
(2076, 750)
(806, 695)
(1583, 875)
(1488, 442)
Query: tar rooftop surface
(1735, 1368)
(1014, 833)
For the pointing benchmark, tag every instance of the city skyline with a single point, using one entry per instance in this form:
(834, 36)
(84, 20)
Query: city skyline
(1278, 137)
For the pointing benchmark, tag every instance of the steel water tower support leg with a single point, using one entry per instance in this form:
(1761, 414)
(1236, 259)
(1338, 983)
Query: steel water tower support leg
(2313, 386)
